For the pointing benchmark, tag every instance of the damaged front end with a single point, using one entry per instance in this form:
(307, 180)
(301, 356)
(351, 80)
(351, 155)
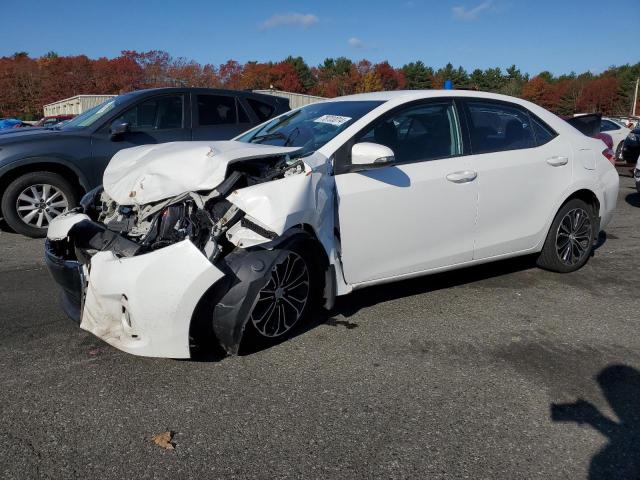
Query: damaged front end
(133, 269)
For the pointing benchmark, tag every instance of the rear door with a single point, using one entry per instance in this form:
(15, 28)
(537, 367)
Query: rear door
(156, 119)
(218, 117)
(523, 166)
(417, 214)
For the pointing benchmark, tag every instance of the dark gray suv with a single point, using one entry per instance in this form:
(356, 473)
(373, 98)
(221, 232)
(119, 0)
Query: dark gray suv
(45, 171)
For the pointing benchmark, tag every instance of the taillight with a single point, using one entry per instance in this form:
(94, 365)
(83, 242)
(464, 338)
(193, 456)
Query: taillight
(609, 155)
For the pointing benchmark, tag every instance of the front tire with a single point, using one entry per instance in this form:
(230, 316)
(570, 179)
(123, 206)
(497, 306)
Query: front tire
(32, 200)
(286, 299)
(570, 239)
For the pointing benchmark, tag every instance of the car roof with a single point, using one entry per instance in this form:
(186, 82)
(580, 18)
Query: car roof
(419, 94)
(196, 90)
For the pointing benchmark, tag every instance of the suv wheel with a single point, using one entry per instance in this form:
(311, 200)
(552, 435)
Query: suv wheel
(32, 200)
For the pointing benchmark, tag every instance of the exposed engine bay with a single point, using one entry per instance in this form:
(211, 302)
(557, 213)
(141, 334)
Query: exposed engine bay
(207, 219)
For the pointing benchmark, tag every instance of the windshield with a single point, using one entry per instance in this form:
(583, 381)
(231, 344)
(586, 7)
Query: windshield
(311, 126)
(92, 115)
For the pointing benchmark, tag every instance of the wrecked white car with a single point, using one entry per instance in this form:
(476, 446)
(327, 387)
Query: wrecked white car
(189, 243)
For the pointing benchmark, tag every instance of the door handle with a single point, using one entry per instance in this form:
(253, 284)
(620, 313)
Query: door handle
(463, 176)
(557, 161)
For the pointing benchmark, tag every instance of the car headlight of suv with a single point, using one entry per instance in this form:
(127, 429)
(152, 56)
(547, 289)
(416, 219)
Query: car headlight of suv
(633, 137)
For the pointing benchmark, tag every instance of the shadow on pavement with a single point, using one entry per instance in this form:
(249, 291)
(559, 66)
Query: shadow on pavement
(4, 227)
(633, 199)
(620, 457)
(352, 303)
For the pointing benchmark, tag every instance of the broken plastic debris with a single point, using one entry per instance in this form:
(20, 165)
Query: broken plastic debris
(164, 440)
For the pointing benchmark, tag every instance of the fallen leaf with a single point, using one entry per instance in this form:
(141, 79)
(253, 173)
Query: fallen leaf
(164, 440)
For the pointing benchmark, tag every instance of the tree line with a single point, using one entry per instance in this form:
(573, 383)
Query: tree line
(28, 83)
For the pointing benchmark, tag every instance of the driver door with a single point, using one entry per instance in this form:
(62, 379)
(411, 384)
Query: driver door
(156, 119)
(416, 214)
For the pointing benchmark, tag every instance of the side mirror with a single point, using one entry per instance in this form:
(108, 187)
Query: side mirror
(118, 128)
(371, 154)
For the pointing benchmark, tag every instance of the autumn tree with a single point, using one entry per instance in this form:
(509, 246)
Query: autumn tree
(306, 77)
(599, 95)
(26, 83)
(390, 78)
(230, 74)
(20, 87)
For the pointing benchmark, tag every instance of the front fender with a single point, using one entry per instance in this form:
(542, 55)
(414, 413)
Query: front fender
(13, 164)
(246, 272)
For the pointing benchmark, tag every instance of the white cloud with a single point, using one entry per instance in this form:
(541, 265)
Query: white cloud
(462, 13)
(355, 42)
(304, 20)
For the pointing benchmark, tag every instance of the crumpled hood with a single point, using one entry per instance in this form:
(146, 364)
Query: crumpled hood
(150, 173)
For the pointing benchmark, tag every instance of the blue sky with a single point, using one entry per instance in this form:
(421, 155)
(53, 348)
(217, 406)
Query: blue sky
(535, 35)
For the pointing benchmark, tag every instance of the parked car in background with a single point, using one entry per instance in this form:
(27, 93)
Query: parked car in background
(189, 243)
(618, 132)
(11, 123)
(43, 172)
(631, 147)
(52, 120)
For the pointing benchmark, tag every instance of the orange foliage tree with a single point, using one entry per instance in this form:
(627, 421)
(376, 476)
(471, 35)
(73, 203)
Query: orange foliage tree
(26, 83)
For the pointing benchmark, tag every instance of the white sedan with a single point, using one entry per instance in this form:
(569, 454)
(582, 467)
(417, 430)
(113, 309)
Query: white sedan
(618, 133)
(189, 243)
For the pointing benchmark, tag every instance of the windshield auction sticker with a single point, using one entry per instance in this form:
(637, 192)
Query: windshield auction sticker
(336, 120)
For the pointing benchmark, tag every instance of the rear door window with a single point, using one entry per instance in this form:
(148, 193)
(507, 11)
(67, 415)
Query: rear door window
(497, 127)
(216, 110)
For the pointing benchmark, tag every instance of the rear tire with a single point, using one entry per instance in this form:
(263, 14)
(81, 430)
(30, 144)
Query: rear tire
(618, 156)
(32, 200)
(570, 239)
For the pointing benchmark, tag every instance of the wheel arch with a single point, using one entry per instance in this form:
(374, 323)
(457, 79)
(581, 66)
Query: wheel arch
(586, 195)
(52, 165)
(227, 329)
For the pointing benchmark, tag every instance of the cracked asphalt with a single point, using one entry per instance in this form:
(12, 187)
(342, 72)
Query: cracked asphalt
(450, 376)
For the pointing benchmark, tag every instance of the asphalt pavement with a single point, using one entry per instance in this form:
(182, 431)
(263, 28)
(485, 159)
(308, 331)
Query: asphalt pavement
(456, 375)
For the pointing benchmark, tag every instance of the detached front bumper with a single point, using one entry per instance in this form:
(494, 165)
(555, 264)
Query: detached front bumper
(69, 277)
(142, 304)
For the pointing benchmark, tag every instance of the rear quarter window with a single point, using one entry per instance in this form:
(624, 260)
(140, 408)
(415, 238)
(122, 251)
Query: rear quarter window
(263, 110)
(543, 132)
